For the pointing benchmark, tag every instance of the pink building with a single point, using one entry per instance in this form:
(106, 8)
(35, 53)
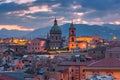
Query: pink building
(37, 45)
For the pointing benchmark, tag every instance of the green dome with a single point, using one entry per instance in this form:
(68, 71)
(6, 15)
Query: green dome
(55, 28)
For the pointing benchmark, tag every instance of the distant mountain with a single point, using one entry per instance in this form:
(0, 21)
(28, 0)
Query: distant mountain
(106, 31)
(42, 32)
(4, 33)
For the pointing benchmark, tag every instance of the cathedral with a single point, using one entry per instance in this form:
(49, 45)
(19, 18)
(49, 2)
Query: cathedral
(55, 37)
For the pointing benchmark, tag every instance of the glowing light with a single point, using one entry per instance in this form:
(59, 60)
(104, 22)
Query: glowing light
(115, 22)
(15, 27)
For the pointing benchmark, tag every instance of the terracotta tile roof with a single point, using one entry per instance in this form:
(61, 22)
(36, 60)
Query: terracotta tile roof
(106, 62)
(74, 63)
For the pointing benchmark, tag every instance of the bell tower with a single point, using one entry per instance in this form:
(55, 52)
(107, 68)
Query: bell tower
(72, 37)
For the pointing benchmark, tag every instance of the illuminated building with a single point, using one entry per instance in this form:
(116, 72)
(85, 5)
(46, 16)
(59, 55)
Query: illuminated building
(72, 37)
(88, 39)
(55, 37)
(114, 38)
(37, 45)
(82, 41)
(15, 41)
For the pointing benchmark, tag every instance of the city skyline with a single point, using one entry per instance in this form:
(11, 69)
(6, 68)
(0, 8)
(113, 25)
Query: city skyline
(29, 15)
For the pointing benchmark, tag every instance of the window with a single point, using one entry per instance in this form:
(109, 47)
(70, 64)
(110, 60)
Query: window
(52, 37)
(72, 32)
(83, 70)
(109, 73)
(72, 44)
(72, 78)
(72, 39)
(72, 70)
(16, 49)
(56, 37)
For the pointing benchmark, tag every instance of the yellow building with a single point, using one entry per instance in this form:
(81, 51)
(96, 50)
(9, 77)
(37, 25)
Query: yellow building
(83, 41)
(88, 39)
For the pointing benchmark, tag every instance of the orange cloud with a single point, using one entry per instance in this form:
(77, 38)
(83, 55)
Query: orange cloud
(15, 27)
(115, 22)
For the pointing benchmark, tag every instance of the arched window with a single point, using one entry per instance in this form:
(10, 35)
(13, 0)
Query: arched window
(72, 39)
(72, 78)
(72, 32)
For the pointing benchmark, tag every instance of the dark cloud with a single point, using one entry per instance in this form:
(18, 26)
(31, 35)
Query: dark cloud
(100, 4)
(104, 10)
(7, 7)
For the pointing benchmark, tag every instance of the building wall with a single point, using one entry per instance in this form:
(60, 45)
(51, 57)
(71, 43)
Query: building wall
(84, 38)
(37, 45)
(82, 45)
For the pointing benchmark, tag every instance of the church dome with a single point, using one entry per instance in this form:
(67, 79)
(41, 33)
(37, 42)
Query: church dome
(55, 27)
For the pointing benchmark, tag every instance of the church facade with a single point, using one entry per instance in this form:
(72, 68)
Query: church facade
(55, 37)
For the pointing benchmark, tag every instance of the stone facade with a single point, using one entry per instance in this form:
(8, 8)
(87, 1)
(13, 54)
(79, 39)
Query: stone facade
(55, 37)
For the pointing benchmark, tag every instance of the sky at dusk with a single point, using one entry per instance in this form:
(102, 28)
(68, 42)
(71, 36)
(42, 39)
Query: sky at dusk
(34, 14)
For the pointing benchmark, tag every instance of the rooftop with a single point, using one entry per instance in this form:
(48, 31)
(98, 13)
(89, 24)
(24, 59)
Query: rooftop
(106, 62)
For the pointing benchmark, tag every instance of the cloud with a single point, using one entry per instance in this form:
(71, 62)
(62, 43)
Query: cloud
(15, 27)
(100, 4)
(32, 10)
(41, 13)
(78, 14)
(17, 1)
(76, 7)
(115, 22)
(9, 7)
(56, 5)
(106, 11)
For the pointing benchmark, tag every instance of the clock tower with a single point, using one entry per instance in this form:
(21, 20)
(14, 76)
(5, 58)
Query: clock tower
(72, 37)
